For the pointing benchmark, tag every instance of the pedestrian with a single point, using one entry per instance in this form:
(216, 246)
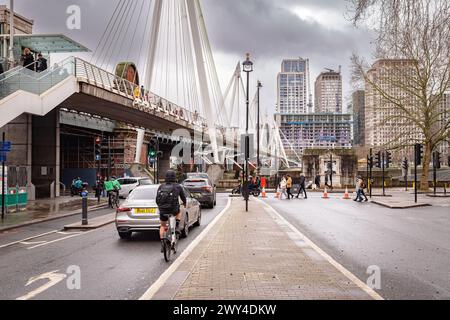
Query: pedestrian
(327, 182)
(358, 189)
(317, 182)
(363, 186)
(289, 184)
(302, 186)
(28, 59)
(41, 63)
(283, 188)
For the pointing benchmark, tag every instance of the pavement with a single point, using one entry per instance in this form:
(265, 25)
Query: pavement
(256, 256)
(46, 210)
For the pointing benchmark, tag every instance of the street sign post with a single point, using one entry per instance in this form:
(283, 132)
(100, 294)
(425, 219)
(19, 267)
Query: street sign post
(5, 147)
(418, 156)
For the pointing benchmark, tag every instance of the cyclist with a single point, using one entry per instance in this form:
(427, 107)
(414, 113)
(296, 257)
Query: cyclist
(112, 186)
(168, 203)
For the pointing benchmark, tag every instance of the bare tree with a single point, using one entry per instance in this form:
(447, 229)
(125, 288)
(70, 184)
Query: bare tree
(418, 32)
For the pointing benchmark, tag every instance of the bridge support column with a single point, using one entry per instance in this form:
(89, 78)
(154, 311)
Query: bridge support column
(45, 154)
(139, 145)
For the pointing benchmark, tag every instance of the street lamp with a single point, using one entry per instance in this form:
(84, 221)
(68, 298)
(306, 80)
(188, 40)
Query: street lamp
(258, 130)
(247, 67)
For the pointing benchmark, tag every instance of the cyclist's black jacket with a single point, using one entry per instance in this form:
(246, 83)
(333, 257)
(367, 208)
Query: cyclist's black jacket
(179, 193)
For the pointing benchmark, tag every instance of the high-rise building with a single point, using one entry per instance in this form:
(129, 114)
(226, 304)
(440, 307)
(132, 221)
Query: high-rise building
(386, 124)
(294, 92)
(314, 131)
(328, 92)
(359, 116)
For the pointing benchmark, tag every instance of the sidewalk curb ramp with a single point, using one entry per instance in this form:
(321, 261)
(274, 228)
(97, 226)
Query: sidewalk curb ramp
(56, 217)
(93, 223)
(400, 205)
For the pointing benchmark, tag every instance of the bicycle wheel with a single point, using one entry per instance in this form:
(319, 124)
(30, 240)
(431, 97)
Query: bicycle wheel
(167, 250)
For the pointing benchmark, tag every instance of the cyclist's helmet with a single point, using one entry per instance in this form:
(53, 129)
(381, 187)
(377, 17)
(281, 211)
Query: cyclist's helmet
(171, 177)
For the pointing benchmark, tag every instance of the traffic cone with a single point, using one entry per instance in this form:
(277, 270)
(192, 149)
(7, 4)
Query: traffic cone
(325, 194)
(277, 195)
(346, 195)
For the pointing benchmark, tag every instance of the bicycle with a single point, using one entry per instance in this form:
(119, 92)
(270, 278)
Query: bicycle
(113, 200)
(171, 237)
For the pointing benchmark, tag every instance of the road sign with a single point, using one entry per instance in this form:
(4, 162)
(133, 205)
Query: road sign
(5, 146)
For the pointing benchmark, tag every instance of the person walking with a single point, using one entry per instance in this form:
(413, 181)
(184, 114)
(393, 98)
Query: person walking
(283, 188)
(41, 63)
(167, 199)
(302, 187)
(317, 182)
(363, 186)
(28, 59)
(289, 184)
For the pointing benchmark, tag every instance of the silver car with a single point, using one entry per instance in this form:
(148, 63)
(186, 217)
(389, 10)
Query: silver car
(139, 213)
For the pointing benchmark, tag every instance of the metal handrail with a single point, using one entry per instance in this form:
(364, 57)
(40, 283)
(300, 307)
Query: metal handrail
(124, 87)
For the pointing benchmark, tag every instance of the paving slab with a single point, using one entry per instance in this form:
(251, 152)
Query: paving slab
(256, 256)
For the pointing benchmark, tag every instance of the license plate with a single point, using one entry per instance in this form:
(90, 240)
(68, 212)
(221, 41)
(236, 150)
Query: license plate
(146, 211)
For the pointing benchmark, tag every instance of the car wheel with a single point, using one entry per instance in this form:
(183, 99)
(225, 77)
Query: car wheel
(185, 231)
(211, 205)
(125, 235)
(199, 218)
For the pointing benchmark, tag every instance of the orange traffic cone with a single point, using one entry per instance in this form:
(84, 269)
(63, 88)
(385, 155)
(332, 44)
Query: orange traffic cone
(325, 194)
(346, 195)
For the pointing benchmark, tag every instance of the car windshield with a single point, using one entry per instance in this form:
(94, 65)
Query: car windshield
(143, 194)
(145, 182)
(195, 183)
(197, 175)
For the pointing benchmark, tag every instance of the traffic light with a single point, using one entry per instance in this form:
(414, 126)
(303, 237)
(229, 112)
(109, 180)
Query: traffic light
(378, 163)
(152, 152)
(405, 164)
(418, 154)
(388, 159)
(98, 149)
(370, 162)
(437, 159)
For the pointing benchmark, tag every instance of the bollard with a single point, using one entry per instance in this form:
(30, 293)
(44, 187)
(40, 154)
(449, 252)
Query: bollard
(84, 209)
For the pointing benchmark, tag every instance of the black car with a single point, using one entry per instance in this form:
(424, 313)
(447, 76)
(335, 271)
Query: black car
(202, 190)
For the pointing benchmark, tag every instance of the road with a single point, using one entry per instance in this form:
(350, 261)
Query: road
(411, 247)
(111, 269)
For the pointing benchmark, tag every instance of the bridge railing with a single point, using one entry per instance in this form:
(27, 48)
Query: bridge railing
(142, 99)
(34, 82)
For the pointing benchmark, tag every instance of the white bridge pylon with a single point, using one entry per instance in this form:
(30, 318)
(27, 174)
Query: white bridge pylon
(168, 42)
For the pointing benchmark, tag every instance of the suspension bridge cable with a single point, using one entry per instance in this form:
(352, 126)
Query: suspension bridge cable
(109, 38)
(134, 37)
(123, 35)
(144, 33)
(119, 3)
(114, 33)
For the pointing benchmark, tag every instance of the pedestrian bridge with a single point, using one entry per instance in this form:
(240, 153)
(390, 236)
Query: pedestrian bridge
(75, 84)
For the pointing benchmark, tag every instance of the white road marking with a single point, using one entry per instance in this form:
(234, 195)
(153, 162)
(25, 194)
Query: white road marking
(28, 239)
(57, 240)
(32, 243)
(327, 257)
(53, 277)
(148, 295)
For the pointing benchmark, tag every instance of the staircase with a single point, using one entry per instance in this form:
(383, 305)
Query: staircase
(26, 91)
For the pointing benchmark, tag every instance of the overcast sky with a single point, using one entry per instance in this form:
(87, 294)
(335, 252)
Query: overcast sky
(270, 30)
